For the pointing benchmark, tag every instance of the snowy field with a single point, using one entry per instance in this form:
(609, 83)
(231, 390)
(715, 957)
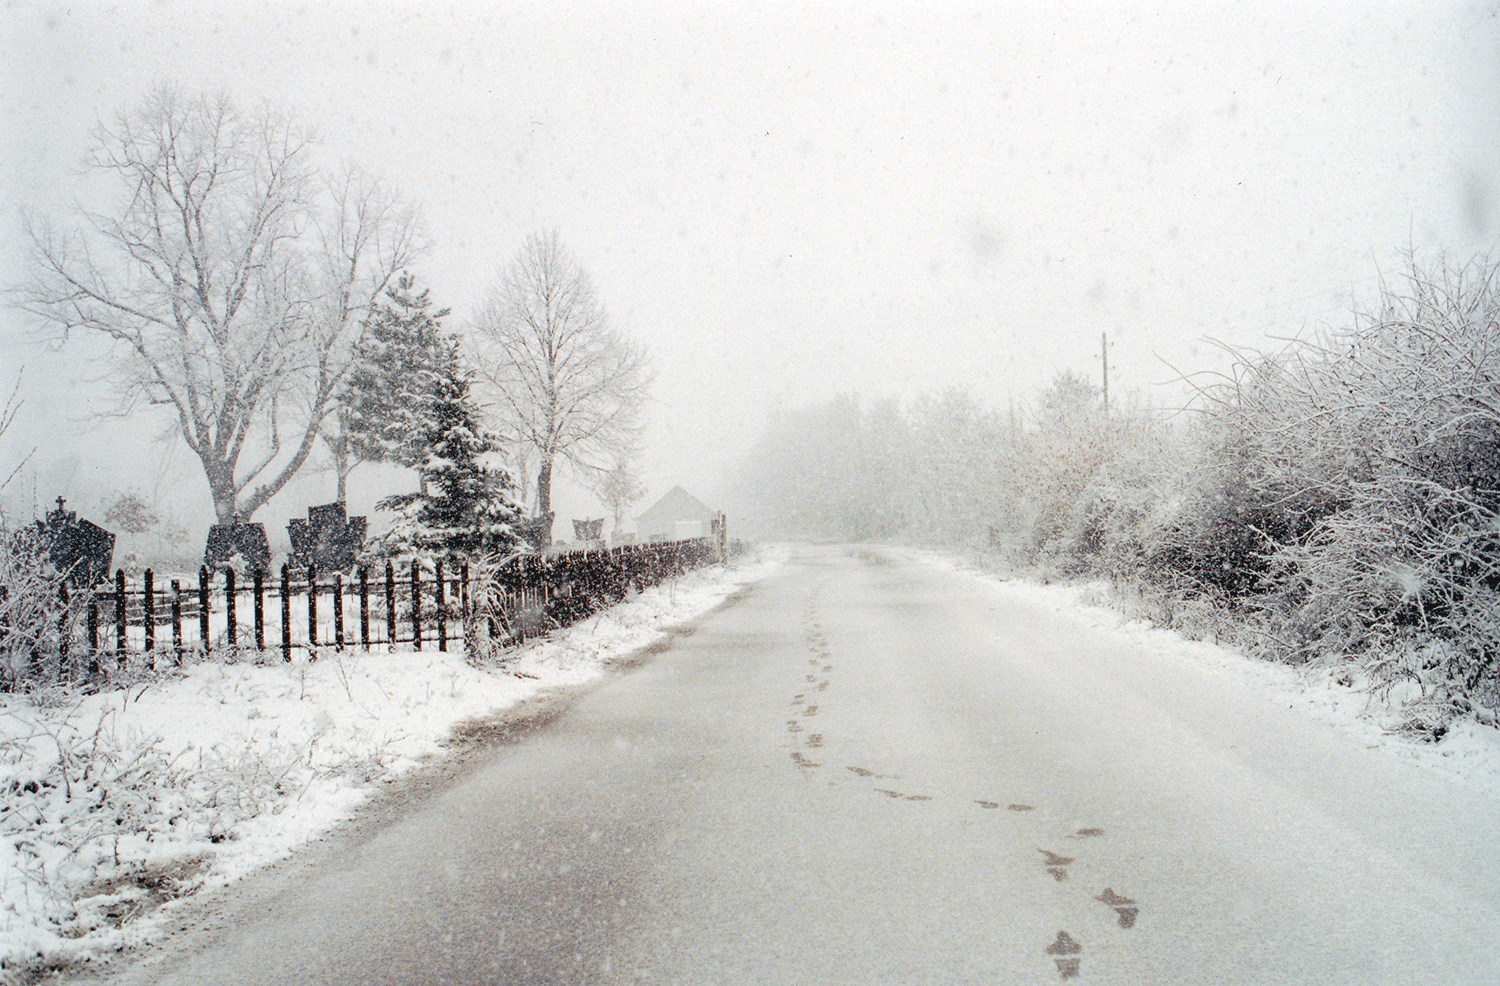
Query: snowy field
(119, 801)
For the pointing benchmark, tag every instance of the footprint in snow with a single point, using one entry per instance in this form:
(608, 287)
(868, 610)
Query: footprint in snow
(1066, 950)
(1126, 913)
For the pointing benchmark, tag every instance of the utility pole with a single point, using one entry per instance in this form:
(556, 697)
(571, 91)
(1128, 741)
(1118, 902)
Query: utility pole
(1104, 358)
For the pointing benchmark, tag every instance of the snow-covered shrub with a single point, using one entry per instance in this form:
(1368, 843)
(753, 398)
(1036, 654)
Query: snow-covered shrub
(38, 619)
(1085, 480)
(1358, 479)
(484, 620)
(1246, 490)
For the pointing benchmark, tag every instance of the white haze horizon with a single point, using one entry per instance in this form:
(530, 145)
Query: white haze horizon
(783, 202)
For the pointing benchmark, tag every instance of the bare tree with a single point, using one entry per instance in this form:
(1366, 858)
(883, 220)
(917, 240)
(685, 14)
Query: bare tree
(231, 280)
(566, 385)
(618, 488)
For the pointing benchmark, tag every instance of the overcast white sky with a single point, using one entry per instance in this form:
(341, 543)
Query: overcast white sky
(786, 201)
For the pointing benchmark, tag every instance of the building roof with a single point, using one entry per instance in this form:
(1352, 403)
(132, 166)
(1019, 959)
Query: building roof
(678, 504)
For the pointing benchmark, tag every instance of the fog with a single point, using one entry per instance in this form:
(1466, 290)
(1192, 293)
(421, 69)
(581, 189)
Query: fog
(786, 203)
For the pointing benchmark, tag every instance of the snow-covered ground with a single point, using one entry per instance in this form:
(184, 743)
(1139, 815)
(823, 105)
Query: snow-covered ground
(115, 802)
(1469, 753)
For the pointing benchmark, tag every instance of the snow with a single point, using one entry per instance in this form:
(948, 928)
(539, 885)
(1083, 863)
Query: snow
(1339, 696)
(117, 801)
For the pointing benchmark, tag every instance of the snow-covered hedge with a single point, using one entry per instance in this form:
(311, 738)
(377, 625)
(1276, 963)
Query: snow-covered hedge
(1339, 499)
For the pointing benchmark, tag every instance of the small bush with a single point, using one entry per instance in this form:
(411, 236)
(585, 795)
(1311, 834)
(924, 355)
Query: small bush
(38, 617)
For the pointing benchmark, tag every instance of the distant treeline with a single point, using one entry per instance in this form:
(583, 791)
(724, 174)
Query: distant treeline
(1335, 502)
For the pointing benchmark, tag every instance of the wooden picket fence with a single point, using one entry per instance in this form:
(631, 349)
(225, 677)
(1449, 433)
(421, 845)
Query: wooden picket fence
(150, 625)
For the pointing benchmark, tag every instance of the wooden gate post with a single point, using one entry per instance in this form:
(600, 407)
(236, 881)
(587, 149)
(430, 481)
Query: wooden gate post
(286, 613)
(148, 616)
(203, 636)
(338, 611)
(260, 610)
(177, 621)
(93, 630)
(233, 631)
(416, 605)
(442, 614)
(122, 651)
(364, 607)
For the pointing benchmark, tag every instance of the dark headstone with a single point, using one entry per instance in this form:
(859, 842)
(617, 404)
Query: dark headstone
(79, 548)
(328, 538)
(303, 539)
(588, 530)
(246, 542)
(536, 532)
(329, 515)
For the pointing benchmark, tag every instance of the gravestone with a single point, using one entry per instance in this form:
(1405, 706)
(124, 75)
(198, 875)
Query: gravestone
(588, 530)
(240, 545)
(79, 548)
(536, 532)
(327, 539)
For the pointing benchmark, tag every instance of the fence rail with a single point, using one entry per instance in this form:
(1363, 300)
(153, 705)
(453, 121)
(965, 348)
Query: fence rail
(120, 625)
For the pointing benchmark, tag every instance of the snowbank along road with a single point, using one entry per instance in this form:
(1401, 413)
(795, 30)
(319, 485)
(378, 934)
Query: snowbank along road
(869, 769)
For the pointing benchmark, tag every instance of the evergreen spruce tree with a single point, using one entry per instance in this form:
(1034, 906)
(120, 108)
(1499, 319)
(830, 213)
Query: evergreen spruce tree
(467, 504)
(398, 360)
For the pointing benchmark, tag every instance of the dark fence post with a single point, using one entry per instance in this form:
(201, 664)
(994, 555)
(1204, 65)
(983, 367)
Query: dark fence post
(416, 605)
(260, 610)
(177, 621)
(93, 630)
(286, 613)
(338, 610)
(364, 607)
(442, 610)
(312, 612)
(122, 653)
(148, 615)
(233, 624)
(203, 636)
(64, 632)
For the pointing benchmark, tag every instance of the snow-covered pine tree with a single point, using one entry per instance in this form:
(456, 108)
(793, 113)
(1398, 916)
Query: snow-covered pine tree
(467, 504)
(389, 387)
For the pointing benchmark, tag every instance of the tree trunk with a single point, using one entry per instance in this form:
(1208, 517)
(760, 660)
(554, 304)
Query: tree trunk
(221, 488)
(544, 497)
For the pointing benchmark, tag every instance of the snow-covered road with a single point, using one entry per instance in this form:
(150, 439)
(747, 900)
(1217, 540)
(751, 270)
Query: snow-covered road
(873, 769)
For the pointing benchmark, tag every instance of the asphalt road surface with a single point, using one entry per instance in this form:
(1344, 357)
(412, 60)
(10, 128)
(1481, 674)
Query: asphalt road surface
(869, 769)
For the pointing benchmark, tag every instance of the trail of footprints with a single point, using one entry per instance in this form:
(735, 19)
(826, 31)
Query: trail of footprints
(1065, 950)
